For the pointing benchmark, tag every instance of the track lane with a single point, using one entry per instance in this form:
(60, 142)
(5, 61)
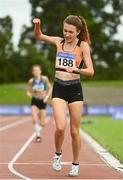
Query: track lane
(5, 120)
(11, 140)
(35, 162)
(37, 159)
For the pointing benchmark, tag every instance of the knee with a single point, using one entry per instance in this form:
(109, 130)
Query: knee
(75, 134)
(60, 131)
(42, 125)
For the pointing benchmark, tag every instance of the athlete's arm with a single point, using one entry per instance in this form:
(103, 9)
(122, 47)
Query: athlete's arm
(89, 70)
(29, 90)
(42, 37)
(49, 88)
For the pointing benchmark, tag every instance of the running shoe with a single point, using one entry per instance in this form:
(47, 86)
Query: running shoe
(74, 170)
(38, 139)
(57, 162)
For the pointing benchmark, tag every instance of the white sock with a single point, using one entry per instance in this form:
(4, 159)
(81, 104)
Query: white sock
(37, 129)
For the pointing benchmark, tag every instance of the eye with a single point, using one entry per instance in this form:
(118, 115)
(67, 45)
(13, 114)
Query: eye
(65, 30)
(71, 32)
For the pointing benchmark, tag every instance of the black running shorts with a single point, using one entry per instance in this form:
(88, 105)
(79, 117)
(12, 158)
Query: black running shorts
(70, 91)
(38, 103)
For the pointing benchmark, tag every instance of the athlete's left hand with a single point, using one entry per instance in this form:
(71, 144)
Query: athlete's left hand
(45, 99)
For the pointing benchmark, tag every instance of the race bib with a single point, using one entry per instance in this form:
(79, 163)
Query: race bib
(64, 60)
(38, 87)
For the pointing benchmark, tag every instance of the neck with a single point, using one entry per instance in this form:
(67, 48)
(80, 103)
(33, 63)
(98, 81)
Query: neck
(38, 77)
(70, 46)
(72, 43)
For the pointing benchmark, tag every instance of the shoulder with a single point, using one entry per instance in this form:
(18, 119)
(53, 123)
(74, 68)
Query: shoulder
(30, 81)
(84, 46)
(44, 78)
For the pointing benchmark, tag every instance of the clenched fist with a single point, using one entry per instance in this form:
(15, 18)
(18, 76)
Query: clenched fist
(36, 21)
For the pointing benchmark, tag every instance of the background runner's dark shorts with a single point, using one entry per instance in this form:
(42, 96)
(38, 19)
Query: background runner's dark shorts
(38, 103)
(70, 91)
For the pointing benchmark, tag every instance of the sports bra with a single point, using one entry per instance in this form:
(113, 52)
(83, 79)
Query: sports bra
(40, 86)
(65, 59)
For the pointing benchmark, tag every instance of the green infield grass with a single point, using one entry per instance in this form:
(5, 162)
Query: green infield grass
(13, 94)
(95, 92)
(108, 132)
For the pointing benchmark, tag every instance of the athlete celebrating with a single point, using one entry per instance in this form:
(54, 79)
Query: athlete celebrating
(72, 50)
(39, 90)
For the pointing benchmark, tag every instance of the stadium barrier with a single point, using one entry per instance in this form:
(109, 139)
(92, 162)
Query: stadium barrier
(115, 111)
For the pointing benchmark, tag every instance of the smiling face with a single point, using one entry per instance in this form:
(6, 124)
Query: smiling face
(70, 32)
(36, 71)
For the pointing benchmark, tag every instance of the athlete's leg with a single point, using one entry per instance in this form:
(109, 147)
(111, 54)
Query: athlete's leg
(34, 114)
(42, 117)
(75, 110)
(35, 119)
(59, 112)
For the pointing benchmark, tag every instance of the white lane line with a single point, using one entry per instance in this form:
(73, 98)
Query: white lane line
(108, 158)
(50, 163)
(11, 163)
(13, 125)
(8, 118)
(19, 153)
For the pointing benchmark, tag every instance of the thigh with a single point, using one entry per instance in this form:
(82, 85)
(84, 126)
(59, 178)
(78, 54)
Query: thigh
(59, 112)
(75, 110)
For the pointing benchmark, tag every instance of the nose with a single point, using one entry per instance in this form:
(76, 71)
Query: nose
(67, 34)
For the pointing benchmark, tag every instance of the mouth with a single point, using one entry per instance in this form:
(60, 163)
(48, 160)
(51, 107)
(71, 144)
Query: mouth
(68, 39)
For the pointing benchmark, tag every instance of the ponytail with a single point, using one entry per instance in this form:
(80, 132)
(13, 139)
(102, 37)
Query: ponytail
(84, 34)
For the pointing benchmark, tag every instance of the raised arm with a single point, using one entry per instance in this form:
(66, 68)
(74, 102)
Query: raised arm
(89, 70)
(42, 37)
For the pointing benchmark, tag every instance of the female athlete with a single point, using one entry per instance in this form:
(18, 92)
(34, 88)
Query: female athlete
(39, 90)
(72, 50)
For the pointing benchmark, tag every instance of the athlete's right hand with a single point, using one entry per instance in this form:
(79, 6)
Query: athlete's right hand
(69, 69)
(36, 21)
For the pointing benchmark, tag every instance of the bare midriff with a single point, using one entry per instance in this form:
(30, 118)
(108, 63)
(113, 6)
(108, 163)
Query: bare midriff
(66, 76)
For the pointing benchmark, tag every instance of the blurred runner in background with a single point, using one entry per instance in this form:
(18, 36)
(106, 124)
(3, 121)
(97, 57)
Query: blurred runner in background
(39, 90)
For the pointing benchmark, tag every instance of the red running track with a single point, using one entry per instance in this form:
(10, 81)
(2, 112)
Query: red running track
(22, 158)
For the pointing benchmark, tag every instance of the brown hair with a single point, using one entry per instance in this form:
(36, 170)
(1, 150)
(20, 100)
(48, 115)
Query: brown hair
(81, 26)
(36, 65)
